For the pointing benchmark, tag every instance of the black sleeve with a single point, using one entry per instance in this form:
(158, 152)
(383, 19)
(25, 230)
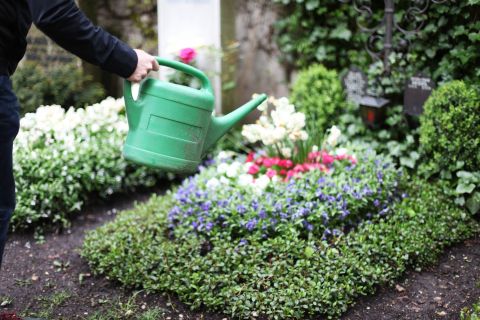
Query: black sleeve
(68, 26)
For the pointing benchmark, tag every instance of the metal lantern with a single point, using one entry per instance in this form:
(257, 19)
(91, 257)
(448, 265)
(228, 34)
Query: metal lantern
(373, 111)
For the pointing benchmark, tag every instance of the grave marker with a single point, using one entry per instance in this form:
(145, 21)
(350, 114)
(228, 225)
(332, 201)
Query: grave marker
(417, 91)
(355, 84)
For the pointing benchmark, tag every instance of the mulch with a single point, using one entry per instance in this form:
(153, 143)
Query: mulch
(33, 271)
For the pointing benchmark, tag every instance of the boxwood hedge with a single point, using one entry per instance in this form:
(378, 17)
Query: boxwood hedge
(288, 276)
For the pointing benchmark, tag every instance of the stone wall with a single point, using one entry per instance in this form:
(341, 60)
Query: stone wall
(258, 64)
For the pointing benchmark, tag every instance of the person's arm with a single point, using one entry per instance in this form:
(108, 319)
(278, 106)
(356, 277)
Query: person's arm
(68, 26)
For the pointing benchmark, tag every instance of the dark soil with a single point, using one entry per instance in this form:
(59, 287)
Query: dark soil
(36, 276)
(439, 292)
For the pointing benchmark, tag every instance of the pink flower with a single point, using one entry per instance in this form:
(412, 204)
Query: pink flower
(298, 168)
(353, 160)
(271, 173)
(187, 55)
(268, 162)
(313, 155)
(327, 159)
(290, 173)
(283, 172)
(253, 169)
(250, 157)
(288, 164)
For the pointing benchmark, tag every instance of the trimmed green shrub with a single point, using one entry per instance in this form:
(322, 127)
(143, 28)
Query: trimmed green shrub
(318, 93)
(285, 272)
(450, 128)
(450, 140)
(65, 85)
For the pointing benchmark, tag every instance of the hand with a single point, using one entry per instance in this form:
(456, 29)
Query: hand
(146, 63)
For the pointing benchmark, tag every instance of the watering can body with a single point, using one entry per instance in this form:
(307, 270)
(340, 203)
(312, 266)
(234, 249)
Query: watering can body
(172, 126)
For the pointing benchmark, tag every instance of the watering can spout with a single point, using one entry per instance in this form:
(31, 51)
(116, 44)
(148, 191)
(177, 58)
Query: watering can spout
(220, 125)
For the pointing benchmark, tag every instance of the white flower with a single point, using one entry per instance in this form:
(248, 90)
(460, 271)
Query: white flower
(234, 169)
(263, 106)
(303, 135)
(245, 180)
(315, 148)
(224, 180)
(225, 155)
(341, 151)
(223, 167)
(262, 182)
(332, 138)
(213, 183)
(286, 152)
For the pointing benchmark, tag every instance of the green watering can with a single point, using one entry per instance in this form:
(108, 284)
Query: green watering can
(172, 126)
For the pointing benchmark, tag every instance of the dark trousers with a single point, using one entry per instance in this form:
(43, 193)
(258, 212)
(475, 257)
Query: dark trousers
(9, 124)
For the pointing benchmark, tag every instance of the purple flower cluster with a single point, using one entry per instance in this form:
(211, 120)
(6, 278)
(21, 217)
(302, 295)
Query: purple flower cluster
(325, 205)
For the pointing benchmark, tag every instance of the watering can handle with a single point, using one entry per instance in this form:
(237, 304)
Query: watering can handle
(187, 69)
(177, 66)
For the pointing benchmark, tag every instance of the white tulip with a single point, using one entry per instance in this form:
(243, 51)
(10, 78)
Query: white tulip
(286, 152)
(332, 138)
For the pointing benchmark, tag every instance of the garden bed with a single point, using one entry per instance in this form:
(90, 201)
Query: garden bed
(103, 297)
(286, 276)
(302, 227)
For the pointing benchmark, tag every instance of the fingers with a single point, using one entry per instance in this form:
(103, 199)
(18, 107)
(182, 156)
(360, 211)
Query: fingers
(146, 63)
(156, 66)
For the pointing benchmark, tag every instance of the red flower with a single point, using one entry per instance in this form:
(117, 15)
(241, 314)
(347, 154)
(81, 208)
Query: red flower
(250, 157)
(187, 55)
(259, 161)
(283, 172)
(253, 169)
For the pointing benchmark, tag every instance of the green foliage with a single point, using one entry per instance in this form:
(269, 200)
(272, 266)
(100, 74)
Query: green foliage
(449, 127)
(318, 93)
(395, 139)
(64, 85)
(450, 139)
(284, 276)
(326, 32)
(472, 313)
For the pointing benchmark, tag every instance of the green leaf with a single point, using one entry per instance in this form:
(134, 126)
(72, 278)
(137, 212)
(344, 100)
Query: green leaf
(465, 175)
(309, 251)
(312, 4)
(473, 203)
(407, 162)
(341, 32)
(464, 188)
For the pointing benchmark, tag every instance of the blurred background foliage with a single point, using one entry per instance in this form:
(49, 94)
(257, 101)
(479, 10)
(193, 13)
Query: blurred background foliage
(326, 32)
